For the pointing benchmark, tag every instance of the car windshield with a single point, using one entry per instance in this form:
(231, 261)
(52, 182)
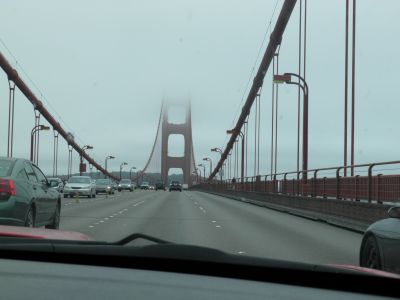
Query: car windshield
(79, 180)
(258, 128)
(5, 167)
(103, 181)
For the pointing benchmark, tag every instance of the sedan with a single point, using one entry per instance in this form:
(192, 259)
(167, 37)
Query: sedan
(175, 186)
(104, 186)
(80, 186)
(57, 184)
(380, 247)
(26, 198)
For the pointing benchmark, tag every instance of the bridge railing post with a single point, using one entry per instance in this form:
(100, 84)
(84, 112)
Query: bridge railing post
(370, 182)
(338, 182)
(314, 188)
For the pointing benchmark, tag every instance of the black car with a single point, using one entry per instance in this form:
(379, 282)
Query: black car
(26, 196)
(380, 247)
(175, 186)
(160, 186)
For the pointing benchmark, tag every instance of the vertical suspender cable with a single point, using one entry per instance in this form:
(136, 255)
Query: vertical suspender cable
(299, 89)
(276, 114)
(346, 71)
(272, 116)
(353, 75)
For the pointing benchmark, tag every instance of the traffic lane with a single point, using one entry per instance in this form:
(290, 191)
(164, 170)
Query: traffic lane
(259, 231)
(161, 214)
(80, 214)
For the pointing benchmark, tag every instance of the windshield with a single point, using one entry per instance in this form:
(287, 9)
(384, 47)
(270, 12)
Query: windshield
(259, 128)
(103, 181)
(79, 180)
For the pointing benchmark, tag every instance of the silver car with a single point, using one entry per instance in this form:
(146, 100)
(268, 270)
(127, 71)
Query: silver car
(380, 247)
(125, 184)
(104, 186)
(80, 185)
(57, 184)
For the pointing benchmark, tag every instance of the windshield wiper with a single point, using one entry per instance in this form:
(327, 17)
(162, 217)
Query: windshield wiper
(135, 236)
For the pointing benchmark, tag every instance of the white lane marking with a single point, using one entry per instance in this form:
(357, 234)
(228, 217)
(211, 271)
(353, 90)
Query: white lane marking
(101, 221)
(97, 223)
(111, 217)
(196, 203)
(218, 226)
(214, 221)
(201, 207)
(106, 219)
(241, 252)
(91, 226)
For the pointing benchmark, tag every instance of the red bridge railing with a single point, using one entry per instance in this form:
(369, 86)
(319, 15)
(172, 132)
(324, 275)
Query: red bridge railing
(371, 187)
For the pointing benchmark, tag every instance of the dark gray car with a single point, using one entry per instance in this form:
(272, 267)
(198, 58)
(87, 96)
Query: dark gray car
(380, 247)
(26, 198)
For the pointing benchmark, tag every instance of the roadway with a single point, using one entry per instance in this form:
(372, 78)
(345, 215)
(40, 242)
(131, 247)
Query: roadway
(203, 219)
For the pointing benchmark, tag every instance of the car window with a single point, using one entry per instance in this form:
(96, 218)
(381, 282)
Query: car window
(5, 167)
(22, 175)
(39, 174)
(31, 174)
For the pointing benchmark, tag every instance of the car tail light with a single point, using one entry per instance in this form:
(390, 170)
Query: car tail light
(7, 187)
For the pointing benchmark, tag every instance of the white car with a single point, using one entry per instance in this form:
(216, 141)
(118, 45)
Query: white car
(80, 186)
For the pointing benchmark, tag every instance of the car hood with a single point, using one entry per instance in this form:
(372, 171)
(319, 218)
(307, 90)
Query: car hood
(40, 233)
(77, 184)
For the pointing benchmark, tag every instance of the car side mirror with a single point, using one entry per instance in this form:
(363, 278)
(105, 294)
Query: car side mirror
(394, 212)
(46, 183)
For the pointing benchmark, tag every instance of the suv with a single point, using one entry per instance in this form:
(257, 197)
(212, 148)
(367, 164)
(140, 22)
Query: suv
(175, 186)
(160, 186)
(145, 186)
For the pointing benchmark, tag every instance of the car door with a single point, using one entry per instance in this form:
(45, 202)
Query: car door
(38, 192)
(49, 200)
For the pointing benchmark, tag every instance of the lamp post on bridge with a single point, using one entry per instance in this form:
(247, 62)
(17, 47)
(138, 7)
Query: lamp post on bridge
(287, 78)
(107, 158)
(130, 172)
(210, 161)
(81, 166)
(204, 170)
(242, 158)
(220, 152)
(34, 129)
(120, 169)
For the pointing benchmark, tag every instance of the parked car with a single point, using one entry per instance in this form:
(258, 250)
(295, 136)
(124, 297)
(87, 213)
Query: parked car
(125, 184)
(175, 186)
(80, 185)
(145, 185)
(26, 198)
(380, 246)
(57, 184)
(160, 186)
(104, 186)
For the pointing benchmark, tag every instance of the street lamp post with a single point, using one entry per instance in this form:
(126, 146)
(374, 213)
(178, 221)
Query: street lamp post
(86, 147)
(130, 172)
(287, 78)
(220, 152)
(242, 159)
(209, 160)
(34, 129)
(120, 169)
(107, 158)
(204, 170)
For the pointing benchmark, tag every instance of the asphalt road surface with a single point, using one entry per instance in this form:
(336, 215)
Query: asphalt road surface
(203, 219)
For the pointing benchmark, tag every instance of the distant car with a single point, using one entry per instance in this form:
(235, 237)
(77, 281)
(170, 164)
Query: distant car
(380, 246)
(175, 186)
(80, 185)
(125, 184)
(26, 196)
(152, 187)
(144, 186)
(185, 186)
(104, 186)
(160, 186)
(57, 184)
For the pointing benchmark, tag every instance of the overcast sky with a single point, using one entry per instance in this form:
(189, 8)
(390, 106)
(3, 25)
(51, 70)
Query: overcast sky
(105, 67)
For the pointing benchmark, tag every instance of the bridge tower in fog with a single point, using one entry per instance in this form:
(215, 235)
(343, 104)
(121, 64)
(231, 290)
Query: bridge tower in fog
(160, 162)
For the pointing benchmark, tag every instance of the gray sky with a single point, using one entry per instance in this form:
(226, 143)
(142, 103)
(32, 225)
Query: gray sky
(105, 67)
